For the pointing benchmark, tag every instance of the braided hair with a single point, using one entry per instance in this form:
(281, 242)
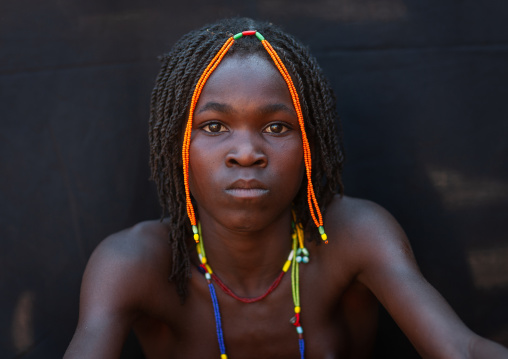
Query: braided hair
(170, 101)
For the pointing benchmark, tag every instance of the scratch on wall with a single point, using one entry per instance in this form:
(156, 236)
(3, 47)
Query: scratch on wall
(22, 322)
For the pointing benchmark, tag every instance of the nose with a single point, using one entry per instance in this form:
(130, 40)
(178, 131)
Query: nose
(246, 151)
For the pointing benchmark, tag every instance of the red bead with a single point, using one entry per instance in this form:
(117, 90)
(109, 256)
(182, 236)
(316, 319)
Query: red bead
(249, 33)
(297, 320)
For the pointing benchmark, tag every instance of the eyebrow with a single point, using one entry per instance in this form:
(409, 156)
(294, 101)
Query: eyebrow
(276, 107)
(216, 106)
(264, 110)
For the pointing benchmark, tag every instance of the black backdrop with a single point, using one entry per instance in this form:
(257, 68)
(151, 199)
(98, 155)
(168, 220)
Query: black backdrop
(422, 92)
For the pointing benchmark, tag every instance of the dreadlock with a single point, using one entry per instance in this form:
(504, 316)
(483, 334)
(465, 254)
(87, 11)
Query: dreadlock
(171, 97)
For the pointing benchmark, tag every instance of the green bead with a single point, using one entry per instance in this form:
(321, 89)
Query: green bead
(321, 230)
(305, 259)
(298, 259)
(195, 229)
(259, 36)
(298, 251)
(305, 252)
(237, 36)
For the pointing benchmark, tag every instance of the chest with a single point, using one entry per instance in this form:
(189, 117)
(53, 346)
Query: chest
(253, 330)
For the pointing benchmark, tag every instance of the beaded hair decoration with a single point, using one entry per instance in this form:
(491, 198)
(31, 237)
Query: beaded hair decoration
(311, 197)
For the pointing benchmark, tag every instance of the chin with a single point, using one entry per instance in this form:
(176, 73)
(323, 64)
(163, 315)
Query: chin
(244, 221)
(247, 220)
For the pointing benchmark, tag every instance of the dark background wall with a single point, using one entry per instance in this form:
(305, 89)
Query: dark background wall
(422, 91)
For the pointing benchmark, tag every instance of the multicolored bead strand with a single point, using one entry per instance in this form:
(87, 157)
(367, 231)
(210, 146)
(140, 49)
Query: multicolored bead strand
(295, 289)
(297, 244)
(311, 197)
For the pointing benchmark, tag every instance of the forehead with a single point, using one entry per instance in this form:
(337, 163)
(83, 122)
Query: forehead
(241, 76)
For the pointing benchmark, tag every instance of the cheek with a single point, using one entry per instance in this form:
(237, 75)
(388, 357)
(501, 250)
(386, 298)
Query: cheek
(291, 164)
(201, 169)
(293, 153)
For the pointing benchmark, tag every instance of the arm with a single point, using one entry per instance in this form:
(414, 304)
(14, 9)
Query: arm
(388, 268)
(108, 300)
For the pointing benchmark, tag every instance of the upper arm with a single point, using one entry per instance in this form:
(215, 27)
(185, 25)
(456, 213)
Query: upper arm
(109, 300)
(385, 264)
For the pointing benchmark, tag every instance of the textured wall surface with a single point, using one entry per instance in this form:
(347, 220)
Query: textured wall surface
(421, 89)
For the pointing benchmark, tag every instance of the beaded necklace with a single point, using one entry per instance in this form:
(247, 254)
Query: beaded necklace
(229, 292)
(293, 261)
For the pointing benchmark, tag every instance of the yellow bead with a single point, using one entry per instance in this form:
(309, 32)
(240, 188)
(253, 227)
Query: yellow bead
(297, 310)
(223, 356)
(196, 237)
(203, 260)
(208, 268)
(324, 237)
(286, 266)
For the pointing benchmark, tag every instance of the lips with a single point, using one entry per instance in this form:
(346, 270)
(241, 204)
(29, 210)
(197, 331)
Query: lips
(243, 188)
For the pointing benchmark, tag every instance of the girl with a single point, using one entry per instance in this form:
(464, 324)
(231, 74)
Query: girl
(267, 258)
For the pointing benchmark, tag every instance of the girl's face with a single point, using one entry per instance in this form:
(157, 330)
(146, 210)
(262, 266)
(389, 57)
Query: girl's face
(246, 155)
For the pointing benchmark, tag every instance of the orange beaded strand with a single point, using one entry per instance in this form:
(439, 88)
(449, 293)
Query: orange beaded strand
(188, 129)
(311, 197)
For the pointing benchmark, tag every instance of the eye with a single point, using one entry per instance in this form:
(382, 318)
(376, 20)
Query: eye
(214, 127)
(276, 128)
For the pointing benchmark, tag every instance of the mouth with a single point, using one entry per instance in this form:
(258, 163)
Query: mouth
(247, 189)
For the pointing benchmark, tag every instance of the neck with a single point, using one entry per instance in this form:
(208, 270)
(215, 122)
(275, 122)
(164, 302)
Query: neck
(247, 259)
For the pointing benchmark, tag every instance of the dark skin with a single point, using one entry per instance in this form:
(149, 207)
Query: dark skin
(246, 166)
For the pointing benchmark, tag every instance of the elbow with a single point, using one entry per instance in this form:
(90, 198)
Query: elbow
(479, 347)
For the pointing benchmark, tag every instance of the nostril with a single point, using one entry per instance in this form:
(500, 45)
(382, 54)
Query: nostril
(233, 161)
(246, 160)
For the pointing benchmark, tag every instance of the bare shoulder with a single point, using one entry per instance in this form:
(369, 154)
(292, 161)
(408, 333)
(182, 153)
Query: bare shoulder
(145, 243)
(365, 233)
(142, 245)
(359, 219)
(358, 216)
(125, 265)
